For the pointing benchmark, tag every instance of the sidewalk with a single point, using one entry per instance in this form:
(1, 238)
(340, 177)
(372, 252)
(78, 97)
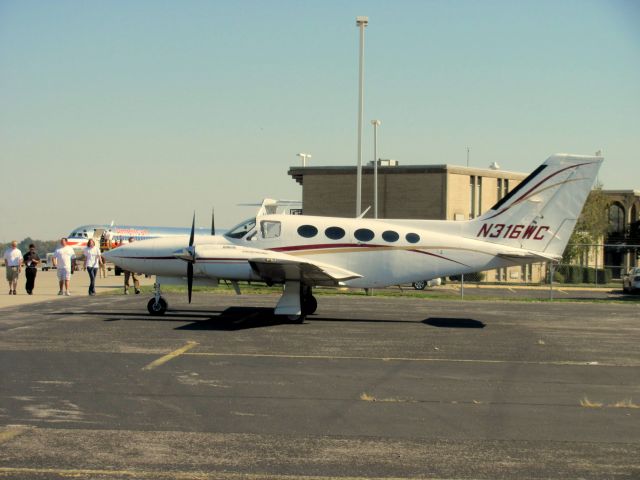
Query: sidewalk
(47, 287)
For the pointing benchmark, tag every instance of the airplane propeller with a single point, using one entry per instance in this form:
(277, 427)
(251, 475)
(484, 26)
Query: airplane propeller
(213, 222)
(192, 260)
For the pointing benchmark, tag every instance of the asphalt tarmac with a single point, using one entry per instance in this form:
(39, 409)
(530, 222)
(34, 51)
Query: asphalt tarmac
(369, 387)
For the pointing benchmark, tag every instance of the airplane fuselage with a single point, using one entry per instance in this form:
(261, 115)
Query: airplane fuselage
(382, 252)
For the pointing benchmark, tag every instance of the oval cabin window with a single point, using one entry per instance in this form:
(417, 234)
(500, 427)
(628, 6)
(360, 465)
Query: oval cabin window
(364, 234)
(390, 236)
(334, 233)
(413, 237)
(307, 231)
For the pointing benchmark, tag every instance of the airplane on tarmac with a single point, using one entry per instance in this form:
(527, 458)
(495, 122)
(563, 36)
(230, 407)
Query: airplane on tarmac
(79, 236)
(531, 223)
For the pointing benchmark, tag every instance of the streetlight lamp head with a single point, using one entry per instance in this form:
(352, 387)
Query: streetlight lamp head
(362, 21)
(377, 123)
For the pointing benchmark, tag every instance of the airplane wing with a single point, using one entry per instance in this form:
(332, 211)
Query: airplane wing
(278, 270)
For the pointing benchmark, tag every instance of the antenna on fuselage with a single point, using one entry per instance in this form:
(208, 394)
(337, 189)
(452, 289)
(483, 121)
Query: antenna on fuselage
(364, 213)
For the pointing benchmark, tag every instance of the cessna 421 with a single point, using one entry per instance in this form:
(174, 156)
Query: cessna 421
(531, 223)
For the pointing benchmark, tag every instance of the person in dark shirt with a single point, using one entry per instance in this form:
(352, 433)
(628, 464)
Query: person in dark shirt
(31, 262)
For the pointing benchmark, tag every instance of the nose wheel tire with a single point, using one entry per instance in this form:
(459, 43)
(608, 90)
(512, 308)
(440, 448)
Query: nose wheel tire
(158, 307)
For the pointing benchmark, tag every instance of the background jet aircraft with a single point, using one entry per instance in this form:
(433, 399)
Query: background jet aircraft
(532, 223)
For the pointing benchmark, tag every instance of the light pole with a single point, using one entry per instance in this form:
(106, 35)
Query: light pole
(304, 157)
(468, 148)
(361, 23)
(376, 124)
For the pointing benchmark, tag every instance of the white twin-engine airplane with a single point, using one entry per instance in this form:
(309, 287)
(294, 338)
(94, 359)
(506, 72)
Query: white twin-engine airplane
(532, 223)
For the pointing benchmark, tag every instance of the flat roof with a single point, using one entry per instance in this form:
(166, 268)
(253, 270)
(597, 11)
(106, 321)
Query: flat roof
(298, 173)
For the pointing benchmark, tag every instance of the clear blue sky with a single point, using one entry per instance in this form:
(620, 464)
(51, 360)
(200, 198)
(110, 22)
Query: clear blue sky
(142, 111)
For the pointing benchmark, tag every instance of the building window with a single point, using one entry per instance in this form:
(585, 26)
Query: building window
(616, 218)
(499, 190)
(334, 233)
(479, 202)
(472, 196)
(506, 186)
(390, 236)
(307, 231)
(364, 234)
(412, 237)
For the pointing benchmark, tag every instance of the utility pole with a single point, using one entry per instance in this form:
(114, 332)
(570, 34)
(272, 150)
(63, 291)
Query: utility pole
(376, 124)
(361, 23)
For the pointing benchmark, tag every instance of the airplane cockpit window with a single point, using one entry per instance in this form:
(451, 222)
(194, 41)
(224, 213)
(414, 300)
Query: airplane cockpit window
(270, 229)
(240, 230)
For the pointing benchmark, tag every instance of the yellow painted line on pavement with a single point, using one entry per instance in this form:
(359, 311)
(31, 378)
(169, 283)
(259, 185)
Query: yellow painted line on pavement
(409, 359)
(11, 432)
(182, 475)
(170, 356)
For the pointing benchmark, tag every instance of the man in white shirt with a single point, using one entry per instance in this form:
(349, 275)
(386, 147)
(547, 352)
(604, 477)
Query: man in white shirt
(13, 262)
(62, 261)
(92, 261)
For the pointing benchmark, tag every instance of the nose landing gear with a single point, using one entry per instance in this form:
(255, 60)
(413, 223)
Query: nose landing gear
(157, 305)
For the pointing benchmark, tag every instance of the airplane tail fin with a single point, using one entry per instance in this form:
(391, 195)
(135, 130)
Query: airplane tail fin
(541, 212)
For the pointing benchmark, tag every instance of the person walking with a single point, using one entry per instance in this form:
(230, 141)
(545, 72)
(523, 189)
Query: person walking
(92, 261)
(103, 267)
(62, 261)
(133, 276)
(31, 261)
(13, 262)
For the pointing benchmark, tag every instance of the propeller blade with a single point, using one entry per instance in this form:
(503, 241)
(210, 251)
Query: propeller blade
(213, 222)
(193, 230)
(189, 279)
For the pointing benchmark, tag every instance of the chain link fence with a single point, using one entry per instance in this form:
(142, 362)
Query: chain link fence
(599, 269)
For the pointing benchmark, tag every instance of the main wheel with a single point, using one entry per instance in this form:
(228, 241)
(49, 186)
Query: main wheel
(157, 308)
(419, 285)
(296, 318)
(310, 305)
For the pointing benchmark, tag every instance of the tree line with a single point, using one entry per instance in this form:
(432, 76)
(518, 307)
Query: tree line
(42, 246)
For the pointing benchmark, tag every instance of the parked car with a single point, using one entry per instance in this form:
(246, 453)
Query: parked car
(631, 281)
(422, 284)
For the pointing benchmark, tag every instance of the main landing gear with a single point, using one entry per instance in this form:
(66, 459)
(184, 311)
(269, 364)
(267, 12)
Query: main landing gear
(296, 302)
(157, 305)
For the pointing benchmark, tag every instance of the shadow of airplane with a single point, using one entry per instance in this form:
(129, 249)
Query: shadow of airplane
(243, 318)
(453, 322)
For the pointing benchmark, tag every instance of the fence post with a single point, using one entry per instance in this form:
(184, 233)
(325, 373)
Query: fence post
(462, 286)
(550, 281)
(596, 266)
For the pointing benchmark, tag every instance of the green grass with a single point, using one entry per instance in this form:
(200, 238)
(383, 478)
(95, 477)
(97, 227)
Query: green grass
(437, 294)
